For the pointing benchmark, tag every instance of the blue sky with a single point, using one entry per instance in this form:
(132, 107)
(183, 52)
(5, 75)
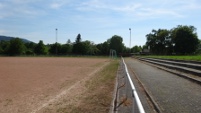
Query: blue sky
(95, 20)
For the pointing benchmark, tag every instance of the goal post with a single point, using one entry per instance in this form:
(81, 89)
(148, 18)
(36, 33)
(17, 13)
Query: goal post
(113, 54)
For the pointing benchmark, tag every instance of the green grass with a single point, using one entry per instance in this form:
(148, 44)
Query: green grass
(100, 90)
(190, 57)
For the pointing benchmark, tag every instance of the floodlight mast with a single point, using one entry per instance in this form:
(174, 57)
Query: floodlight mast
(130, 37)
(56, 35)
(56, 41)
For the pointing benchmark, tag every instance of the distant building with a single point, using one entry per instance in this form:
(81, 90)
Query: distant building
(145, 52)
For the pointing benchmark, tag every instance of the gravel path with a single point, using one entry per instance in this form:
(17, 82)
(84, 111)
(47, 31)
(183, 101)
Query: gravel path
(173, 94)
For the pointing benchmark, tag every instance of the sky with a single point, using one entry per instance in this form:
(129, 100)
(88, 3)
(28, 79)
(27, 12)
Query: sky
(95, 20)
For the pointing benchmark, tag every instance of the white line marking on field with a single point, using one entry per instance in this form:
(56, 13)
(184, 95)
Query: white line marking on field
(67, 90)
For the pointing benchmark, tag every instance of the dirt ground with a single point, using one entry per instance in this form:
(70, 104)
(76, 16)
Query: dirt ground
(29, 84)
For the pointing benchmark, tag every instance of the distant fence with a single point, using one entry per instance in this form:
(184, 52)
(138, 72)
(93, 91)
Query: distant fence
(126, 92)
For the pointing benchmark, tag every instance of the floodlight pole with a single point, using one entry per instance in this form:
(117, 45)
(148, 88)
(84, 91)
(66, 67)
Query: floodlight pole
(130, 38)
(56, 41)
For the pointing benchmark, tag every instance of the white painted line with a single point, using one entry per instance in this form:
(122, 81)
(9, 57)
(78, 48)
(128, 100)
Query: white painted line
(67, 90)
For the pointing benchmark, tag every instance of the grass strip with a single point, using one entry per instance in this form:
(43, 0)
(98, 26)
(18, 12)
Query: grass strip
(99, 94)
(190, 57)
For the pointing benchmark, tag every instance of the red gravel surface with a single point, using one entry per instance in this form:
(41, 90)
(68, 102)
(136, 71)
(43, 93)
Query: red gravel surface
(27, 83)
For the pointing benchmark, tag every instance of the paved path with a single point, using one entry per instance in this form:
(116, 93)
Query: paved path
(125, 94)
(173, 94)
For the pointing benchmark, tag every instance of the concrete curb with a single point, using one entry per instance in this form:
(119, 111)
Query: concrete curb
(171, 71)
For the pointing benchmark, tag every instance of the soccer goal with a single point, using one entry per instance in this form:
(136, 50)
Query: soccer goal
(113, 54)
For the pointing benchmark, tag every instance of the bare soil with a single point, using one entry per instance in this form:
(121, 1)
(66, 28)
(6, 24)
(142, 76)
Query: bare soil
(29, 85)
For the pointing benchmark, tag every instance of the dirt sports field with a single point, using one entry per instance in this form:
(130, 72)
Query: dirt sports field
(33, 84)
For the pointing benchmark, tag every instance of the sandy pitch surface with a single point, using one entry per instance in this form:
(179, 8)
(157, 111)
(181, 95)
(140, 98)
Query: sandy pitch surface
(27, 85)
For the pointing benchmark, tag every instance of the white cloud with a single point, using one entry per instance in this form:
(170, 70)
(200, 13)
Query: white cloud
(128, 8)
(132, 9)
(2, 31)
(157, 13)
(1, 5)
(91, 5)
(20, 8)
(56, 4)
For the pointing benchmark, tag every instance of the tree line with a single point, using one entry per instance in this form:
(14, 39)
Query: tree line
(16, 47)
(180, 40)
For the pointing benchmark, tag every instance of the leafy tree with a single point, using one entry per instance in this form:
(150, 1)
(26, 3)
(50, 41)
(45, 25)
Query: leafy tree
(41, 49)
(136, 49)
(1, 50)
(126, 50)
(84, 48)
(185, 39)
(78, 48)
(99, 47)
(16, 47)
(198, 51)
(66, 48)
(106, 48)
(90, 48)
(116, 43)
(182, 40)
(30, 48)
(30, 45)
(103, 48)
(55, 48)
(158, 40)
(4, 45)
